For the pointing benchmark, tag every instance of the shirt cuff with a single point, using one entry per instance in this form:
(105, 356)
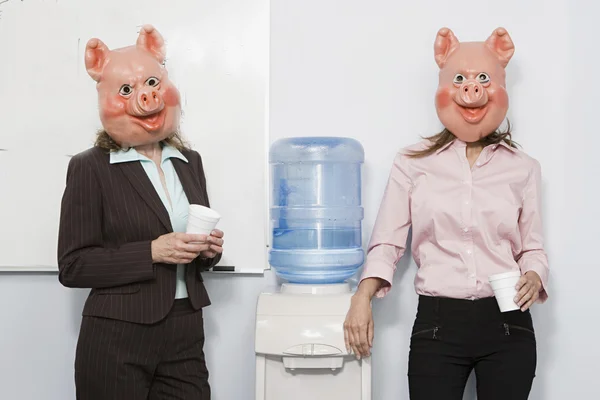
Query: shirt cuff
(382, 271)
(543, 273)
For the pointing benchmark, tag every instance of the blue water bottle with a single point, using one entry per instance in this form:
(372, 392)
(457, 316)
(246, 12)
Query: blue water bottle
(316, 209)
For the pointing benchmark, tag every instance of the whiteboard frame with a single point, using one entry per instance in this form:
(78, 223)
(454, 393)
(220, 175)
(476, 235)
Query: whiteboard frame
(266, 200)
(30, 269)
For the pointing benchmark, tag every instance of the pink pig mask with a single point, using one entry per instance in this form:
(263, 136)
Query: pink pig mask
(139, 105)
(471, 99)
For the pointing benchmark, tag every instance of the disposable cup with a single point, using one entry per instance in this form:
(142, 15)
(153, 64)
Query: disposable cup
(505, 292)
(504, 280)
(201, 220)
(204, 213)
(507, 303)
(200, 227)
(504, 286)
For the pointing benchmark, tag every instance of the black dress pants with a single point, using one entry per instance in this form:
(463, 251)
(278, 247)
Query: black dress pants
(452, 337)
(117, 360)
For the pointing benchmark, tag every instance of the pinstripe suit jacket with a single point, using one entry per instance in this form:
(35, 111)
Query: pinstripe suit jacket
(110, 213)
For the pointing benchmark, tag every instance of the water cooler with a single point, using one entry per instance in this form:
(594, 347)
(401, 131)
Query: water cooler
(316, 216)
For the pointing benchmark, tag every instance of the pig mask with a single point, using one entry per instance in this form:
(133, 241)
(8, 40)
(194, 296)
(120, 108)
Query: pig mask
(138, 103)
(471, 99)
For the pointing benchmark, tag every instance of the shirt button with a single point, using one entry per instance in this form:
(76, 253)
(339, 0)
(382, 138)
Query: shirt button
(467, 202)
(469, 251)
(465, 230)
(478, 164)
(472, 276)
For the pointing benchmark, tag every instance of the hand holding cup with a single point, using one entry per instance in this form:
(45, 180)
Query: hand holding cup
(215, 241)
(529, 287)
(202, 220)
(179, 248)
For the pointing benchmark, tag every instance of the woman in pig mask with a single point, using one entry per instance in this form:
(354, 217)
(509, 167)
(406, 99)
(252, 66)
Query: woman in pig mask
(473, 202)
(123, 212)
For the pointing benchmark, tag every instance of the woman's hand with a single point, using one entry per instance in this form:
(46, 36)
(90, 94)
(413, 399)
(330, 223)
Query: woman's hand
(216, 244)
(358, 327)
(179, 248)
(529, 287)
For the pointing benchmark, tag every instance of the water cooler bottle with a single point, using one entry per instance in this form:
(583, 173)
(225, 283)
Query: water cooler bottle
(316, 216)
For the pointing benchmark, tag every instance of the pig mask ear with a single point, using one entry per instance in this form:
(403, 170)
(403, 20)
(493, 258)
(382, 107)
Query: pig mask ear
(96, 54)
(501, 45)
(445, 44)
(151, 41)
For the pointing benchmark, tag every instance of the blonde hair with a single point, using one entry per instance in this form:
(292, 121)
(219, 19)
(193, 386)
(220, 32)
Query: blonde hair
(444, 137)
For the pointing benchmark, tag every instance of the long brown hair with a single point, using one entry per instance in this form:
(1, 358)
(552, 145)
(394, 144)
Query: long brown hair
(444, 137)
(105, 142)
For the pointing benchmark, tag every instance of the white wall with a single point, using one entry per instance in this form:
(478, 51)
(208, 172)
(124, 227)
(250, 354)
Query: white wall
(365, 70)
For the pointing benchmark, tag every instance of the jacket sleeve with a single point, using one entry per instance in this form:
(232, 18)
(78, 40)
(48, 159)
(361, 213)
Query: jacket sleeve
(203, 264)
(82, 260)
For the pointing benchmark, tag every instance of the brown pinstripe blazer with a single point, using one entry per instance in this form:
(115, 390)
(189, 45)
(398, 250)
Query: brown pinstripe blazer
(110, 214)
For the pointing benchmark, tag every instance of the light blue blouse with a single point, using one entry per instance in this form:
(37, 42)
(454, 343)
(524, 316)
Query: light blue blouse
(178, 208)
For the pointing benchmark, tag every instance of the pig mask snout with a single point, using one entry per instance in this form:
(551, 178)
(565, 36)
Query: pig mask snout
(147, 102)
(471, 94)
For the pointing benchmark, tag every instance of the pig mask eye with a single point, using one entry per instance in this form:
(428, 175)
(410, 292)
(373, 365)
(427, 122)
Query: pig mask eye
(459, 79)
(125, 90)
(152, 81)
(483, 78)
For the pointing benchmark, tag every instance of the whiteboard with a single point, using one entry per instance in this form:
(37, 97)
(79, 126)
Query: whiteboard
(217, 55)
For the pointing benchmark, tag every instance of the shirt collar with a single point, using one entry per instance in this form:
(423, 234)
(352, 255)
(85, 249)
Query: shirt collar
(131, 154)
(505, 145)
(122, 156)
(171, 152)
(457, 142)
(444, 147)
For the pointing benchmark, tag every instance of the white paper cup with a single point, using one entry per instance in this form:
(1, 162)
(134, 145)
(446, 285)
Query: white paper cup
(504, 286)
(507, 303)
(504, 280)
(201, 220)
(505, 292)
(201, 212)
(200, 228)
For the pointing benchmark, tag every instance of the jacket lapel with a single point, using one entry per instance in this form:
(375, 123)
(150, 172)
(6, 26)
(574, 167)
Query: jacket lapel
(140, 181)
(190, 183)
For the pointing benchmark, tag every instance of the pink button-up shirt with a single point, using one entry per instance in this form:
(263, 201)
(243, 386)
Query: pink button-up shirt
(467, 223)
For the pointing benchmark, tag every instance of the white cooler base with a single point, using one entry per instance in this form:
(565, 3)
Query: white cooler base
(300, 352)
(314, 384)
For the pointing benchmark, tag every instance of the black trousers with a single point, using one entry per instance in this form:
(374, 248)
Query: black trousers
(452, 337)
(117, 360)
